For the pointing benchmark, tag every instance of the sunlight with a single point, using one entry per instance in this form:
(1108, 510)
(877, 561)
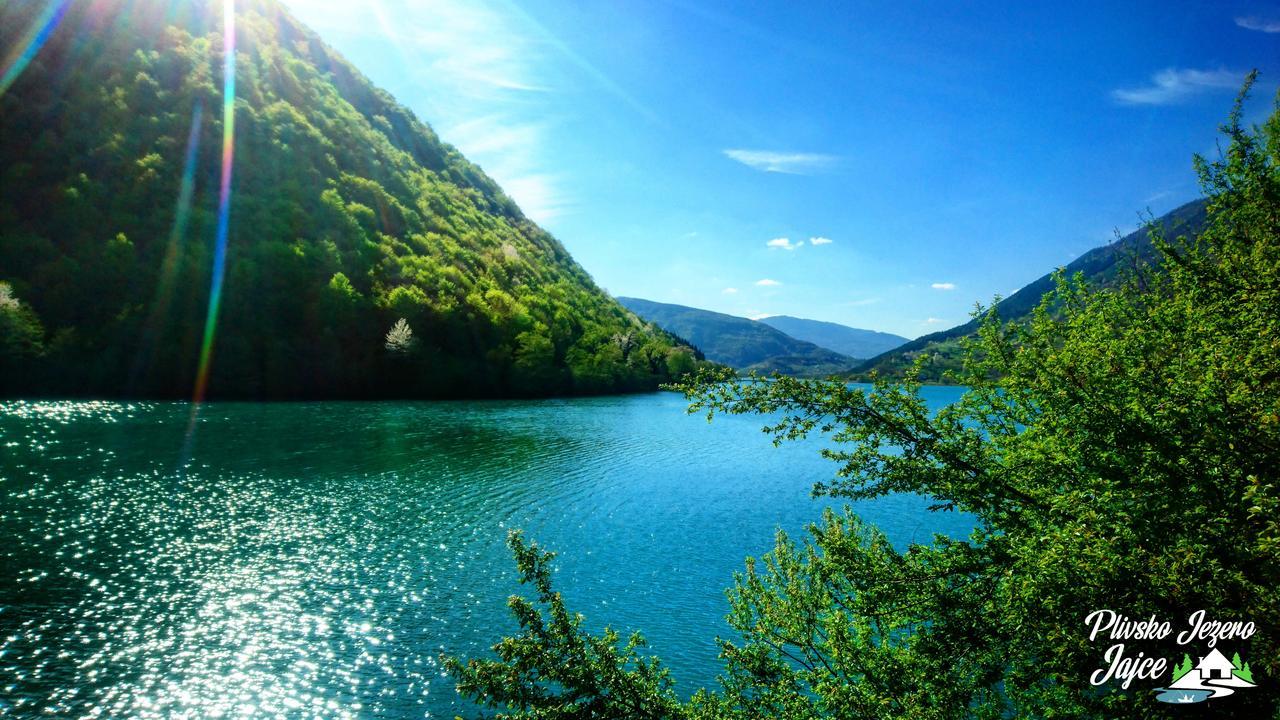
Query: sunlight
(224, 194)
(20, 55)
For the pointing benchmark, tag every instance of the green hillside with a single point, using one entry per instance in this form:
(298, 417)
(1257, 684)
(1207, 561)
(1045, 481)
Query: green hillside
(347, 214)
(1100, 266)
(740, 343)
(854, 342)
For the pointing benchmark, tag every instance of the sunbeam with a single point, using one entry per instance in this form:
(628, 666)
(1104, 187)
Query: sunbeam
(224, 196)
(163, 297)
(19, 56)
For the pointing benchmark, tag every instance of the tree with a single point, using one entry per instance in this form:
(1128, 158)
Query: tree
(557, 670)
(1119, 450)
(680, 362)
(400, 339)
(1182, 668)
(21, 340)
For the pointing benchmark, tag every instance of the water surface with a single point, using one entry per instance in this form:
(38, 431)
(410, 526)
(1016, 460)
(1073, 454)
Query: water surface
(314, 560)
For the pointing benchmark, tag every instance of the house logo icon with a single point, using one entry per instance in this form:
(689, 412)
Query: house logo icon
(1214, 676)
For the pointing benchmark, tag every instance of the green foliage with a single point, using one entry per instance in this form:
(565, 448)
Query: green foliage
(347, 213)
(1119, 450)
(680, 362)
(554, 670)
(943, 352)
(21, 339)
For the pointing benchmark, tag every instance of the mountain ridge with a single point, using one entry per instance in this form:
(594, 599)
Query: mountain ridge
(856, 343)
(1100, 265)
(741, 343)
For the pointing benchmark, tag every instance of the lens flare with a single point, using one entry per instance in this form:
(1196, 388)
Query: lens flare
(173, 252)
(224, 194)
(17, 59)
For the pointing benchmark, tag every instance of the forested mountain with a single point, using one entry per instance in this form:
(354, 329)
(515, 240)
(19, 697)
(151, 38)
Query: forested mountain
(741, 343)
(854, 342)
(347, 215)
(1100, 266)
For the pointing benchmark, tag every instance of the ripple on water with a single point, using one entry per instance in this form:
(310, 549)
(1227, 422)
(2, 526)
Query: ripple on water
(315, 559)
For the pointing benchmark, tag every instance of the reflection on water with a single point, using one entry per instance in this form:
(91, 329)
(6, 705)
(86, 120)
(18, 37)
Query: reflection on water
(315, 559)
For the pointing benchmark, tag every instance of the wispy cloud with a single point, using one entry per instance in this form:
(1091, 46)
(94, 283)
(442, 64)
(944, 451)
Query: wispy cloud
(820, 240)
(864, 301)
(943, 286)
(1259, 23)
(791, 163)
(730, 291)
(933, 321)
(760, 316)
(1173, 85)
(484, 73)
(784, 243)
(540, 196)
(767, 283)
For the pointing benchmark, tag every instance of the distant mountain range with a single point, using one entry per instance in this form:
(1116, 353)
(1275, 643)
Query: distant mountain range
(749, 345)
(854, 342)
(796, 346)
(1100, 266)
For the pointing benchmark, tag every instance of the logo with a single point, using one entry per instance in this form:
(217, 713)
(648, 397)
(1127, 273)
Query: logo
(1211, 676)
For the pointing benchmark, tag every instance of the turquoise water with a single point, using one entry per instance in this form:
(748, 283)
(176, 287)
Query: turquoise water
(314, 560)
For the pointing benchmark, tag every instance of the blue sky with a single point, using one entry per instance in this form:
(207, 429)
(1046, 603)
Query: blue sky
(882, 165)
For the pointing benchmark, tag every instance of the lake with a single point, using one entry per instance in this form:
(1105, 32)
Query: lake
(315, 559)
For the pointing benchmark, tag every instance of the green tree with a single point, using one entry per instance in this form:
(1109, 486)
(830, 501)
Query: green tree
(1183, 668)
(1119, 450)
(680, 363)
(554, 670)
(21, 339)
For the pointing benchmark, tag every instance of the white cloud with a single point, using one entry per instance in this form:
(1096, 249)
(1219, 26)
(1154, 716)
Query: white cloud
(729, 291)
(760, 316)
(820, 240)
(539, 196)
(1173, 85)
(784, 243)
(933, 321)
(767, 283)
(1261, 24)
(943, 286)
(864, 301)
(791, 163)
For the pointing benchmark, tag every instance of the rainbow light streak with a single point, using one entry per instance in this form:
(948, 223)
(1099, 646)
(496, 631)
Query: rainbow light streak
(224, 194)
(20, 55)
(169, 268)
(183, 211)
